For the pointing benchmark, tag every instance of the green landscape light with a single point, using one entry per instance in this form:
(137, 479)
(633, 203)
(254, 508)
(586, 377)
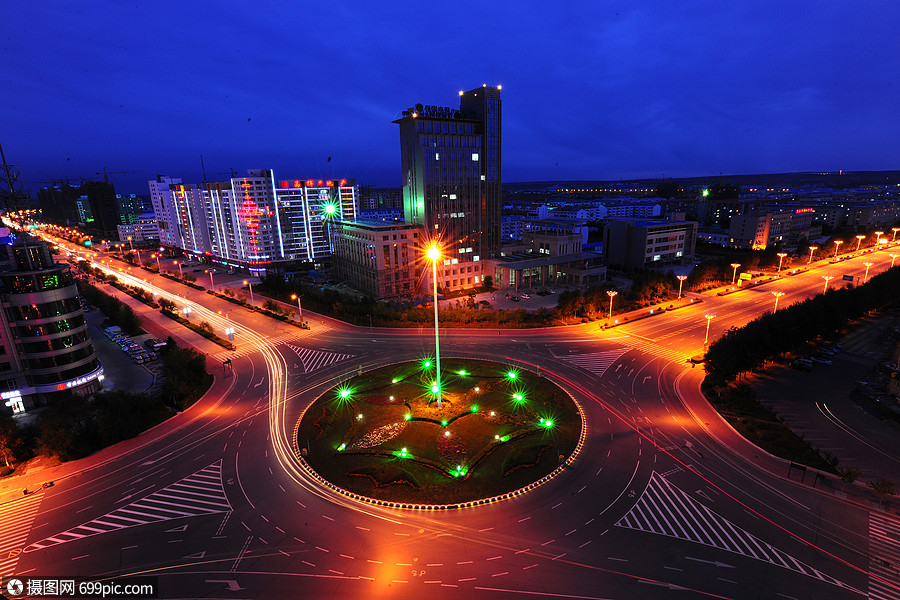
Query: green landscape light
(462, 372)
(344, 393)
(459, 471)
(341, 447)
(434, 388)
(394, 380)
(504, 438)
(474, 408)
(426, 364)
(547, 423)
(518, 397)
(705, 193)
(402, 453)
(407, 417)
(512, 374)
(443, 423)
(330, 209)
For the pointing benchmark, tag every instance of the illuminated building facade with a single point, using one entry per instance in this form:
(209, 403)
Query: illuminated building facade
(45, 347)
(256, 223)
(645, 243)
(451, 162)
(378, 258)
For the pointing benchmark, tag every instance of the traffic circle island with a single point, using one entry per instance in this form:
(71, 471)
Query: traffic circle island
(396, 436)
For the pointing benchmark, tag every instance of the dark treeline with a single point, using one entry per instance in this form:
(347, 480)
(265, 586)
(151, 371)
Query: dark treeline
(791, 329)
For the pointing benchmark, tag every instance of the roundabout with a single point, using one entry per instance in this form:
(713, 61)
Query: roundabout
(394, 436)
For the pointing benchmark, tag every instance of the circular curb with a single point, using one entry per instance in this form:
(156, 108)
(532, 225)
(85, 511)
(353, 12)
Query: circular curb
(432, 507)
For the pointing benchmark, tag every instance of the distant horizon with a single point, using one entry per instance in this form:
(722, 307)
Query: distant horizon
(143, 191)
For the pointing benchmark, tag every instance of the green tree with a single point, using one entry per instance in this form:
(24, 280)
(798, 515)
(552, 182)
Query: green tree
(883, 487)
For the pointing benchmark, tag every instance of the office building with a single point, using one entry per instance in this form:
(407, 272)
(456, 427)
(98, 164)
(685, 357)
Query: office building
(630, 244)
(45, 347)
(257, 223)
(451, 165)
(380, 259)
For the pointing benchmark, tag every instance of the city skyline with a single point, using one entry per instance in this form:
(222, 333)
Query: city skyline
(595, 92)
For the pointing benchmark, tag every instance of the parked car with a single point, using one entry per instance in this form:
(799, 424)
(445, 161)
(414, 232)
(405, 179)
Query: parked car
(525, 297)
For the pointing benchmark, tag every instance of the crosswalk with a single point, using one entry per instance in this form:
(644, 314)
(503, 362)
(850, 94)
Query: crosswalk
(313, 360)
(664, 352)
(199, 494)
(884, 557)
(595, 362)
(16, 519)
(666, 510)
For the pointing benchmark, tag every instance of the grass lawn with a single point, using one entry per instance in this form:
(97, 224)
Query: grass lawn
(382, 434)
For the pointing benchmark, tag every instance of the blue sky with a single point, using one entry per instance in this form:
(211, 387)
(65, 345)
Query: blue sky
(591, 90)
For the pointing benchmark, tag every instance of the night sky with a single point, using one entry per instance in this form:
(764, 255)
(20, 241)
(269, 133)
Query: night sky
(591, 90)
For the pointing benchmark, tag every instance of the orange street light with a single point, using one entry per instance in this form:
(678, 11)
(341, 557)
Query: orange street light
(434, 253)
(827, 278)
(859, 240)
(680, 279)
(734, 266)
(299, 309)
(895, 230)
(777, 296)
(893, 258)
(250, 285)
(611, 294)
(709, 317)
(781, 256)
(811, 250)
(837, 244)
(866, 276)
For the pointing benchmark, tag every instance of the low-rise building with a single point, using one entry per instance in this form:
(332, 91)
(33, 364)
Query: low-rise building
(644, 243)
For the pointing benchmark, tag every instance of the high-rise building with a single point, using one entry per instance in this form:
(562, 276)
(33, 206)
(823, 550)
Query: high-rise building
(104, 205)
(451, 161)
(255, 223)
(45, 347)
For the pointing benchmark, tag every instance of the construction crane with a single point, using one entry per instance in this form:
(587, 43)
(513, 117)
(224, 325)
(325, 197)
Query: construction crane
(231, 172)
(106, 173)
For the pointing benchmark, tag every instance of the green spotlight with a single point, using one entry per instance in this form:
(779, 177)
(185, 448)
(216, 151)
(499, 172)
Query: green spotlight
(443, 423)
(434, 388)
(518, 397)
(394, 380)
(462, 373)
(345, 392)
(426, 364)
(512, 374)
(330, 209)
(407, 417)
(474, 408)
(341, 447)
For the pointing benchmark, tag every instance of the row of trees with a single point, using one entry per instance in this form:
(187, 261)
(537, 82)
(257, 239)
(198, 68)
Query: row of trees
(790, 330)
(115, 310)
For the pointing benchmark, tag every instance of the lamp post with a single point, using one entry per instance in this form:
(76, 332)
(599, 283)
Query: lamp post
(777, 296)
(158, 267)
(299, 310)
(180, 270)
(877, 237)
(709, 317)
(811, 250)
(434, 253)
(893, 258)
(611, 294)
(734, 267)
(837, 244)
(895, 230)
(212, 285)
(859, 240)
(781, 256)
(827, 278)
(866, 276)
(250, 285)
(680, 279)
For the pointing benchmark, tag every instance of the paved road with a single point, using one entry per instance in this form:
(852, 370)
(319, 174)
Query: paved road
(663, 501)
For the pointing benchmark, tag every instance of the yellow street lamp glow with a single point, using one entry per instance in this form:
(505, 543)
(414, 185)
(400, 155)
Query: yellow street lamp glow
(734, 266)
(811, 250)
(827, 278)
(434, 253)
(777, 296)
(866, 276)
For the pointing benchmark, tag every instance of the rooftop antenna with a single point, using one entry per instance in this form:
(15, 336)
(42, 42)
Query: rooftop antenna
(203, 168)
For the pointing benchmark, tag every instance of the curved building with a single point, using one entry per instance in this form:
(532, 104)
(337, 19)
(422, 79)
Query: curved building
(45, 347)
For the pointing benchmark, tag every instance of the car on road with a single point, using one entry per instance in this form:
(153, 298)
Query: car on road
(822, 361)
(525, 297)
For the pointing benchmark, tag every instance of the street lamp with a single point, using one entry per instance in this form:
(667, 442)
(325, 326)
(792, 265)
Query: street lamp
(827, 278)
(893, 258)
(859, 240)
(866, 276)
(709, 317)
(180, 270)
(434, 253)
(811, 250)
(158, 267)
(680, 279)
(734, 267)
(837, 244)
(212, 285)
(611, 294)
(299, 310)
(878, 236)
(895, 230)
(780, 256)
(777, 296)
(247, 283)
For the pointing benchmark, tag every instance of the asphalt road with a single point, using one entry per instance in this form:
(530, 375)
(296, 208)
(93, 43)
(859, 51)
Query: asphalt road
(662, 502)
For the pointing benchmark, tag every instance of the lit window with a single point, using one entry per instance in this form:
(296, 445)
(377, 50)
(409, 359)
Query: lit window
(475, 156)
